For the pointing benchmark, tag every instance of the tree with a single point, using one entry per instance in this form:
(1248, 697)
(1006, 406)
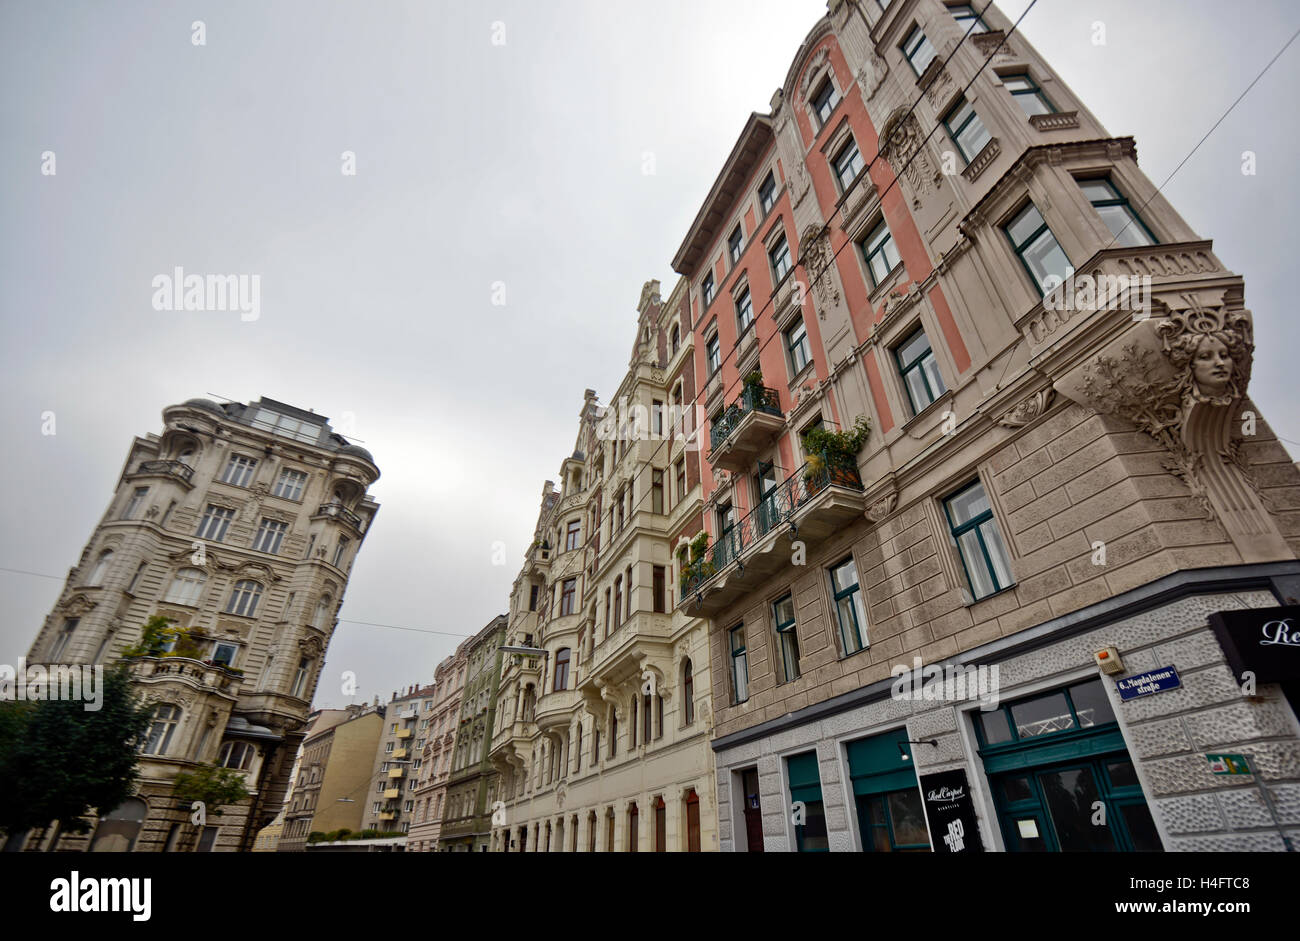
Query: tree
(59, 761)
(215, 787)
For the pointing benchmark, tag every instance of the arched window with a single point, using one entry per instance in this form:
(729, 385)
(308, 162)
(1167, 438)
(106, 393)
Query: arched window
(692, 821)
(688, 692)
(244, 598)
(561, 669)
(675, 340)
(186, 587)
(101, 566)
(237, 755)
(165, 719)
(321, 617)
(632, 827)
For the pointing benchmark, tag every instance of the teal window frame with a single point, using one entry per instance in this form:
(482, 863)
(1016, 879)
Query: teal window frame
(879, 243)
(979, 26)
(744, 310)
(798, 361)
(788, 638)
(848, 164)
(712, 355)
(804, 778)
(911, 48)
(739, 665)
(856, 606)
(1031, 90)
(976, 523)
(919, 363)
(825, 101)
(958, 129)
(1028, 242)
(707, 290)
(779, 258)
(735, 244)
(1116, 200)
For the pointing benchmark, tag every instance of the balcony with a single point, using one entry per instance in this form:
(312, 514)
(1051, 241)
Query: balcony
(404, 733)
(395, 773)
(811, 504)
(198, 674)
(388, 815)
(177, 469)
(392, 793)
(400, 753)
(745, 428)
(556, 708)
(339, 512)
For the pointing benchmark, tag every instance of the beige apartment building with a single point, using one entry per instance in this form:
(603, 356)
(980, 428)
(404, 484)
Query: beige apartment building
(333, 775)
(603, 720)
(239, 523)
(389, 798)
(439, 729)
(1045, 577)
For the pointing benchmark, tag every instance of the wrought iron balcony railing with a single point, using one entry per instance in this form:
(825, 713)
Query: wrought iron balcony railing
(753, 399)
(170, 468)
(793, 494)
(339, 511)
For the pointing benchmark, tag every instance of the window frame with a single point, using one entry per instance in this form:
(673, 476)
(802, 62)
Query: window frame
(780, 246)
(846, 184)
(803, 344)
(827, 97)
(857, 606)
(787, 636)
(908, 54)
(1033, 91)
(918, 363)
(767, 194)
(708, 291)
(739, 659)
(1116, 200)
(956, 531)
(1021, 248)
(954, 133)
(879, 250)
(736, 244)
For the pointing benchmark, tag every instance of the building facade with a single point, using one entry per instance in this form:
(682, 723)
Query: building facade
(977, 409)
(434, 769)
(332, 779)
(395, 762)
(471, 786)
(239, 524)
(601, 739)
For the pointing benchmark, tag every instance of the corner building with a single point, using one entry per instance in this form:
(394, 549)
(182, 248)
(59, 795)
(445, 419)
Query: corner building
(601, 740)
(239, 523)
(1047, 477)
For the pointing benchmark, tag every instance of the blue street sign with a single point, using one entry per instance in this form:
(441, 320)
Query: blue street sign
(1159, 680)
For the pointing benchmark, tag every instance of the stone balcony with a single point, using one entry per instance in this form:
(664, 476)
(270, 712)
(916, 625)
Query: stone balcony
(746, 427)
(175, 470)
(811, 505)
(207, 676)
(339, 512)
(556, 708)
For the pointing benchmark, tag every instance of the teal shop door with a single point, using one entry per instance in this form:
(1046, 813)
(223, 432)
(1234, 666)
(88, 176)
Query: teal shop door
(890, 816)
(806, 788)
(1052, 809)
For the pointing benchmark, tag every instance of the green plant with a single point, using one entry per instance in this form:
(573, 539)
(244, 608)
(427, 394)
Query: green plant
(155, 635)
(754, 378)
(186, 645)
(215, 787)
(699, 546)
(834, 448)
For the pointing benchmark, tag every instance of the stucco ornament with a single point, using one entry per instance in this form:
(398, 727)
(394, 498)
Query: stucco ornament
(902, 148)
(817, 259)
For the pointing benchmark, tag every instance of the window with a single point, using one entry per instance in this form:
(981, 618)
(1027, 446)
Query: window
(706, 289)
(647, 721)
(135, 579)
(880, 253)
(659, 579)
(532, 598)
(571, 535)
(726, 520)
(712, 356)
(1082, 706)
(849, 611)
(739, 665)
(788, 639)
(132, 505)
(824, 101)
(974, 532)
(159, 735)
(779, 256)
(796, 343)
(568, 594)
(674, 340)
(735, 244)
(224, 653)
(215, 522)
(339, 550)
(65, 635)
(681, 479)
(1123, 222)
(847, 165)
(1027, 94)
(744, 310)
(629, 591)
(918, 51)
(1036, 246)
(688, 692)
(920, 371)
(239, 471)
(101, 566)
(290, 485)
(657, 417)
(321, 618)
(237, 755)
(767, 193)
(167, 513)
(269, 535)
(285, 426)
(656, 491)
(967, 18)
(300, 678)
(561, 669)
(806, 788)
(186, 587)
(618, 601)
(244, 598)
(966, 130)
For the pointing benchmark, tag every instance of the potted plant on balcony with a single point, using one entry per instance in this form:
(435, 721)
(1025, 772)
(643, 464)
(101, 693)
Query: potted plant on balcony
(155, 635)
(832, 451)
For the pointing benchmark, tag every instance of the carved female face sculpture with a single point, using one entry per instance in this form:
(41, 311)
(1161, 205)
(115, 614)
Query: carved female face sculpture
(1212, 366)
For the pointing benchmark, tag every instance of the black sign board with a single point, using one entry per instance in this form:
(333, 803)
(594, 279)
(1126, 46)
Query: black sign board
(1263, 641)
(951, 813)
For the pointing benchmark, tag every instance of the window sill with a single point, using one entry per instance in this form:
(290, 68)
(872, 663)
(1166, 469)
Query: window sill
(801, 375)
(933, 408)
(970, 602)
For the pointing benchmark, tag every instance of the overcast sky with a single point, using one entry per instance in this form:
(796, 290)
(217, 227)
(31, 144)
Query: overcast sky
(520, 162)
